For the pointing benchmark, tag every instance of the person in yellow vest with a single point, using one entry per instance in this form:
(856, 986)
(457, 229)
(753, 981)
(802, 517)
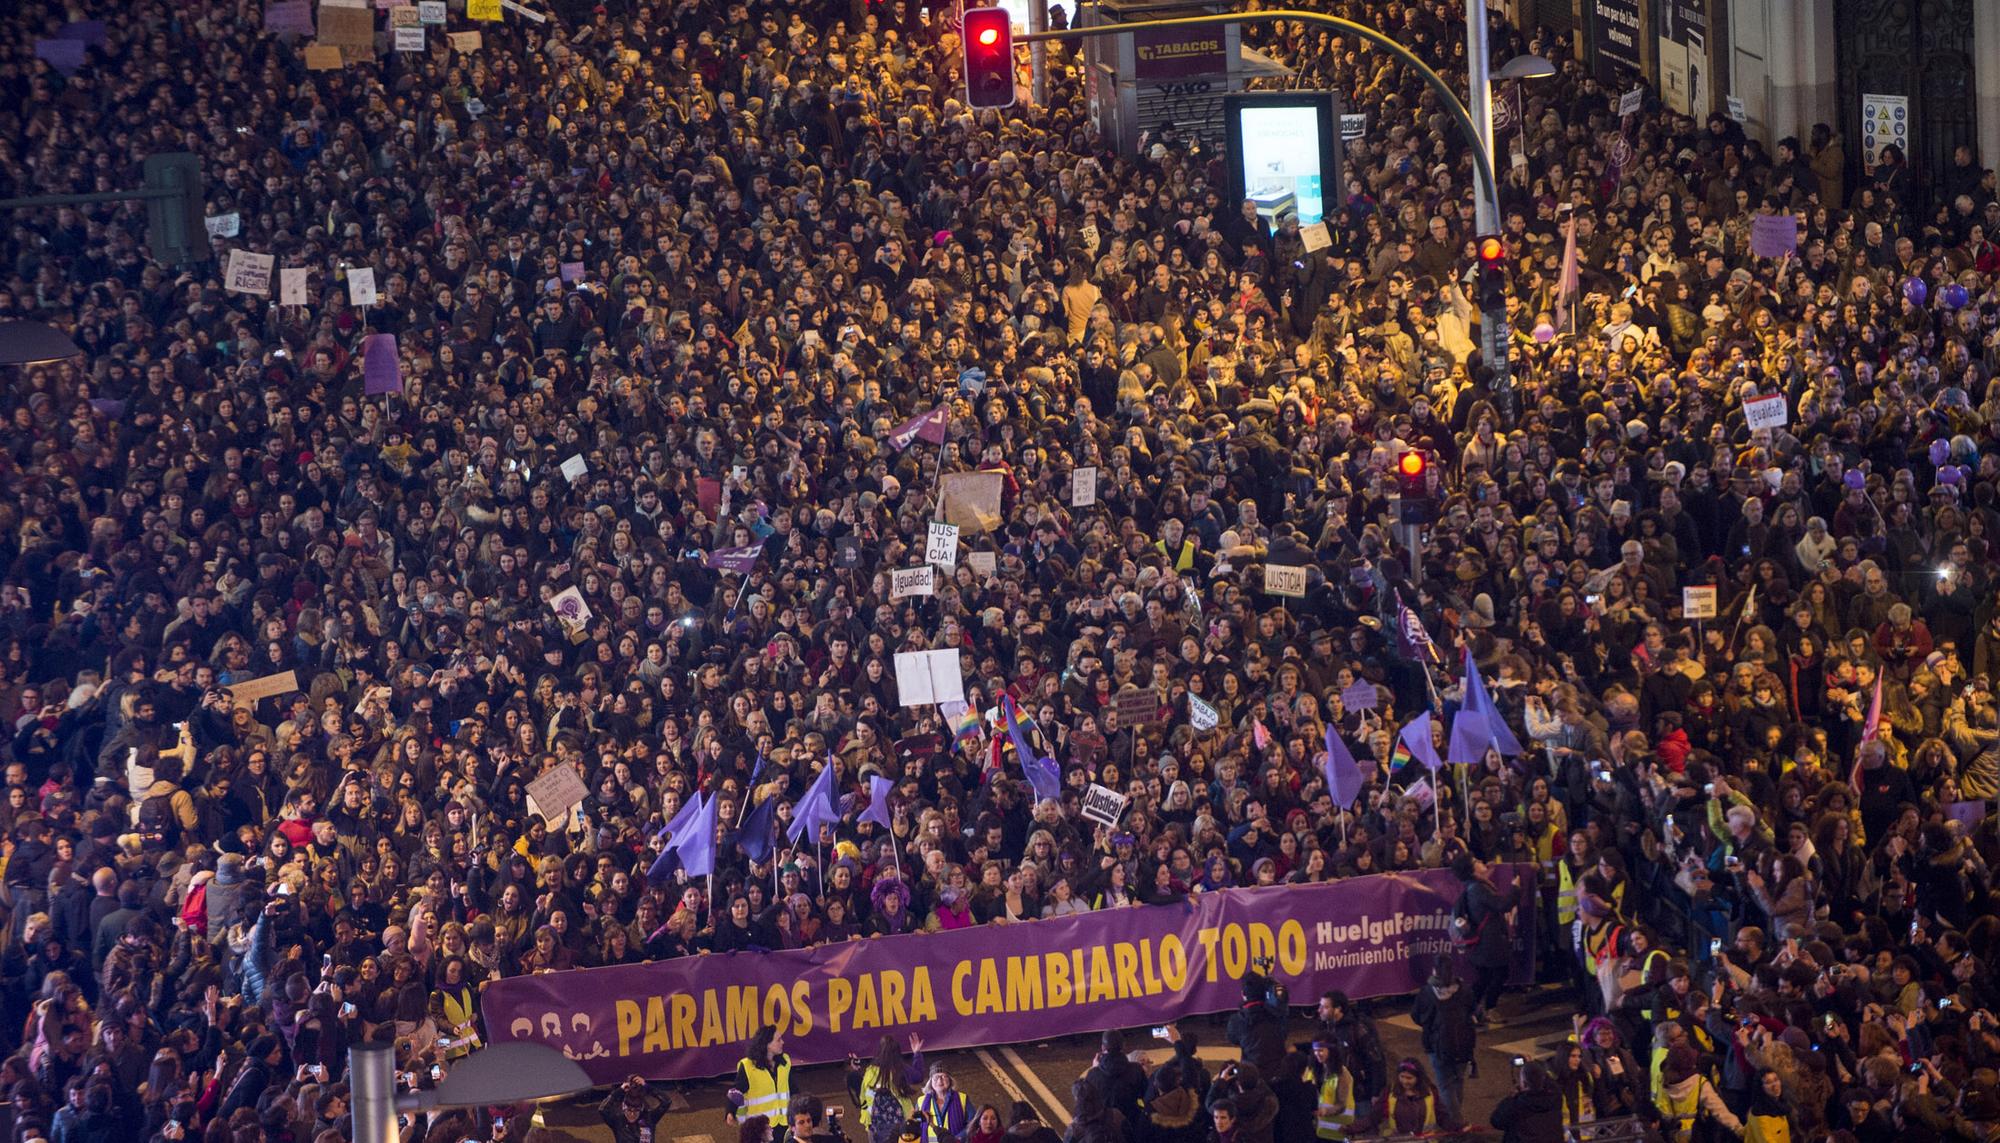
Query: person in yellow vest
(1410, 1106)
(455, 1009)
(1686, 1096)
(887, 1082)
(1771, 1117)
(1334, 1088)
(764, 1077)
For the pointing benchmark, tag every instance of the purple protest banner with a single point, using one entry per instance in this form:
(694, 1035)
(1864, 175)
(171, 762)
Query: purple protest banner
(288, 17)
(1773, 235)
(381, 371)
(63, 55)
(1118, 968)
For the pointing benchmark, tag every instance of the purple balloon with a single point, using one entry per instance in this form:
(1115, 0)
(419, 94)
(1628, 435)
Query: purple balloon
(1940, 451)
(1916, 290)
(1951, 474)
(1854, 479)
(1954, 296)
(1545, 333)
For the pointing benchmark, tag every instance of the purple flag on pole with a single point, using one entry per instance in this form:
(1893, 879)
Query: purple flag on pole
(816, 807)
(927, 427)
(1469, 737)
(1416, 738)
(755, 836)
(696, 844)
(63, 55)
(381, 369)
(1481, 703)
(878, 801)
(1343, 777)
(738, 560)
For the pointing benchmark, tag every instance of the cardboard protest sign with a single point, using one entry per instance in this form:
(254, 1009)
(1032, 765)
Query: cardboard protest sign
(361, 285)
(1698, 602)
(941, 545)
(249, 273)
(1282, 579)
(268, 686)
(1103, 805)
(924, 678)
(292, 283)
(906, 582)
(1083, 486)
(556, 791)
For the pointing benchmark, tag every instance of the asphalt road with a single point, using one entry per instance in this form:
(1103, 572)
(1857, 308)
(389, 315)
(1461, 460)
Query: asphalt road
(1533, 1023)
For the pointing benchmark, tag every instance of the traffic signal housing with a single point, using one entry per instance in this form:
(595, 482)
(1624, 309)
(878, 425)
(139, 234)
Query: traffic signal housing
(1492, 274)
(176, 229)
(989, 58)
(1413, 482)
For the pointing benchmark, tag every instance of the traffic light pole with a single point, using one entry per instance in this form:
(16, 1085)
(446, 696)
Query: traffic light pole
(1486, 193)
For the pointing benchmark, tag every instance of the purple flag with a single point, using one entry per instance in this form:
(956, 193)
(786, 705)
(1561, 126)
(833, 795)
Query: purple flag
(381, 369)
(1041, 772)
(1410, 631)
(1343, 777)
(1469, 737)
(1416, 738)
(755, 836)
(1481, 703)
(88, 31)
(696, 842)
(816, 807)
(927, 427)
(63, 55)
(738, 560)
(878, 801)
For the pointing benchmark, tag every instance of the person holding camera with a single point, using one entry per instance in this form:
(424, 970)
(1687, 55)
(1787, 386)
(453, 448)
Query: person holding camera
(1257, 1028)
(1533, 1113)
(1252, 1107)
(813, 1121)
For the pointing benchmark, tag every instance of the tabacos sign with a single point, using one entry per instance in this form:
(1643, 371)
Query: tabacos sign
(1176, 53)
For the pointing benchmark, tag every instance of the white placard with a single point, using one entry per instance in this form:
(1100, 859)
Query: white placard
(430, 11)
(410, 39)
(983, 563)
(1766, 412)
(556, 791)
(1631, 102)
(941, 545)
(292, 286)
(361, 285)
(1316, 237)
(1103, 805)
(906, 582)
(1283, 579)
(1202, 716)
(1736, 109)
(570, 607)
(1083, 486)
(574, 468)
(224, 225)
(1885, 120)
(1353, 125)
(926, 677)
(249, 273)
(1091, 239)
(1698, 602)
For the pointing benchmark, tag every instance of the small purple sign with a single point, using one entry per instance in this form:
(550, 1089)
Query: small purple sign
(65, 56)
(1773, 235)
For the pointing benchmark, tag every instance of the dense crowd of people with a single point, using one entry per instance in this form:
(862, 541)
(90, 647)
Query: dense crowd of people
(716, 252)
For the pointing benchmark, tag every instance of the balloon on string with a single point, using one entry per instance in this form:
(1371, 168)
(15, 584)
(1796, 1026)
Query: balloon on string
(1940, 451)
(1854, 479)
(1951, 474)
(1953, 296)
(1544, 333)
(1916, 291)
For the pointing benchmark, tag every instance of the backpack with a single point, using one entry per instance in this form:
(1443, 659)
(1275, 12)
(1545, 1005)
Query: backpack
(885, 1116)
(194, 910)
(159, 826)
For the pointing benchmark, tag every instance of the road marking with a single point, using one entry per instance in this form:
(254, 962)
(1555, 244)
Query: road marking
(1058, 1106)
(1000, 1075)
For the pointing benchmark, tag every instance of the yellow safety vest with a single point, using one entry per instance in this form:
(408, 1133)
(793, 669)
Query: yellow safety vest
(869, 1079)
(1678, 1116)
(1184, 560)
(1430, 1114)
(1565, 894)
(1767, 1129)
(766, 1092)
(459, 1016)
(1335, 1114)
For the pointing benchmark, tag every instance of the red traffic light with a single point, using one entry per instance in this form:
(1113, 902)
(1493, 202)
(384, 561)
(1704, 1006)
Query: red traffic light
(1411, 464)
(1492, 251)
(989, 58)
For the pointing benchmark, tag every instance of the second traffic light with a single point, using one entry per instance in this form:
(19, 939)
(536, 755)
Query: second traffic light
(1413, 482)
(989, 58)
(1492, 274)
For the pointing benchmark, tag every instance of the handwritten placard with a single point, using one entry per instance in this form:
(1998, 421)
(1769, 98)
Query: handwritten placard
(249, 273)
(941, 545)
(1284, 579)
(906, 582)
(1698, 602)
(1766, 412)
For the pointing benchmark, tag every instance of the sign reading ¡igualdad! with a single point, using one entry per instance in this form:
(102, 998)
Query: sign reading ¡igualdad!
(1177, 53)
(1118, 968)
